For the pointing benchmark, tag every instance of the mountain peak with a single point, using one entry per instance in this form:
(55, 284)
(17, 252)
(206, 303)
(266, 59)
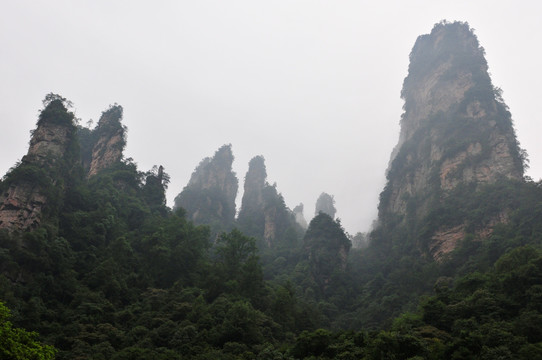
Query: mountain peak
(455, 129)
(110, 140)
(209, 197)
(52, 153)
(264, 214)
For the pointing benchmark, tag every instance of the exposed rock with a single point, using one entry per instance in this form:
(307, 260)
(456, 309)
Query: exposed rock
(446, 240)
(40, 172)
(270, 225)
(48, 143)
(209, 197)
(263, 213)
(110, 141)
(255, 182)
(455, 130)
(299, 217)
(22, 207)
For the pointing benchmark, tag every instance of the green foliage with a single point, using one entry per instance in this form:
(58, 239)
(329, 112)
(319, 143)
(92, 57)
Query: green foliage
(493, 314)
(27, 173)
(484, 316)
(236, 268)
(112, 273)
(55, 111)
(154, 190)
(326, 247)
(110, 124)
(19, 344)
(87, 140)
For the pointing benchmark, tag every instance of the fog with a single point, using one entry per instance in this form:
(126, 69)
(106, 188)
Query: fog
(313, 86)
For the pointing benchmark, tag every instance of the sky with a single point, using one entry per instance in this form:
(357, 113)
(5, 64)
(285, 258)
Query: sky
(313, 86)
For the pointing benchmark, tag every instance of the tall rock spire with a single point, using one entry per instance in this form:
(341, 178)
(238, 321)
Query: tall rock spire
(251, 217)
(263, 213)
(110, 140)
(455, 129)
(37, 182)
(209, 197)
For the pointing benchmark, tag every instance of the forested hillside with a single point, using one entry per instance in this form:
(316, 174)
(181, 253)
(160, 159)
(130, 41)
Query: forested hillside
(94, 265)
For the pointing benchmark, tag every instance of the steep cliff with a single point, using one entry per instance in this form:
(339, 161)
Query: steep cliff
(35, 185)
(455, 130)
(251, 218)
(263, 213)
(109, 141)
(209, 197)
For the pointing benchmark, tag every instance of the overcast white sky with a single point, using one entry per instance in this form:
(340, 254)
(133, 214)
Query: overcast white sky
(313, 86)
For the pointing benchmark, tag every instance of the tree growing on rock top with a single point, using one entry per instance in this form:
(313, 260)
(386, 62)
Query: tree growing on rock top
(325, 204)
(326, 246)
(34, 189)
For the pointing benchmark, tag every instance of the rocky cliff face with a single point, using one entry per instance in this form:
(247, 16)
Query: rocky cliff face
(263, 213)
(110, 141)
(209, 197)
(251, 217)
(27, 187)
(455, 129)
(49, 143)
(21, 207)
(255, 183)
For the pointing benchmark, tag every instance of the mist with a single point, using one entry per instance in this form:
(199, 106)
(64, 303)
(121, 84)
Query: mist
(314, 87)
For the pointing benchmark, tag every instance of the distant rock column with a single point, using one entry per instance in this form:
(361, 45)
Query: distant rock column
(110, 140)
(209, 197)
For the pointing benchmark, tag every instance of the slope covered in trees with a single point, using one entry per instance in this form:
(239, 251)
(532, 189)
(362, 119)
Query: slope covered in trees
(107, 271)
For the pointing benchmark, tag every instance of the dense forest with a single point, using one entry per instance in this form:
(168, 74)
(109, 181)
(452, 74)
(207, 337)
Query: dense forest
(94, 265)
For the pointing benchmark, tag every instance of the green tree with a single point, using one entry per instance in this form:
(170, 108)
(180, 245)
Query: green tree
(237, 265)
(326, 248)
(16, 343)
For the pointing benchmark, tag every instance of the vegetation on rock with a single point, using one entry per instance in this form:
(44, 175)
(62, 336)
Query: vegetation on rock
(263, 214)
(452, 270)
(325, 204)
(209, 197)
